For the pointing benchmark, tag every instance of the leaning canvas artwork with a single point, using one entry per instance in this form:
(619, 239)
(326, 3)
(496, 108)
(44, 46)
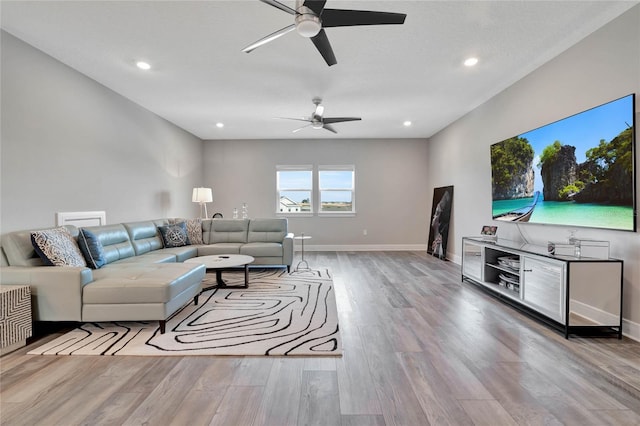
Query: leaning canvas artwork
(440, 216)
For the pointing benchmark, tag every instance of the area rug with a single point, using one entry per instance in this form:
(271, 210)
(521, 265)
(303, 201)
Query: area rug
(279, 314)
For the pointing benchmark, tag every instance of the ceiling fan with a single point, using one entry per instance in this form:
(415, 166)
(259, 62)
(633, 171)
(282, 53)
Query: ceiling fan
(311, 18)
(317, 121)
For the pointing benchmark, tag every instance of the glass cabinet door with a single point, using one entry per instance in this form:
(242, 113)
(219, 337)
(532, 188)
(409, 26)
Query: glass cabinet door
(543, 287)
(472, 260)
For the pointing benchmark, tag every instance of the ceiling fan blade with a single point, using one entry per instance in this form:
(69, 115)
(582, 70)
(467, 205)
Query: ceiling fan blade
(291, 118)
(269, 38)
(315, 5)
(347, 18)
(329, 128)
(330, 120)
(300, 128)
(280, 6)
(324, 47)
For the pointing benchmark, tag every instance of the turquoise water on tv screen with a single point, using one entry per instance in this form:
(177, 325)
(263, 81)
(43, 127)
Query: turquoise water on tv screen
(572, 214)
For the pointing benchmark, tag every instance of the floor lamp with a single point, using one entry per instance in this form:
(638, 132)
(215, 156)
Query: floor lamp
(202, 196)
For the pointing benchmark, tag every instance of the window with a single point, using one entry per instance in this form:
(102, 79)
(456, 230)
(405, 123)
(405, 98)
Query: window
(331, 187)
(295, 189)
(337, 189)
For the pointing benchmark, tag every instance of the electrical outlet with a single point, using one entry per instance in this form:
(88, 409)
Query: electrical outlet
(364, 232)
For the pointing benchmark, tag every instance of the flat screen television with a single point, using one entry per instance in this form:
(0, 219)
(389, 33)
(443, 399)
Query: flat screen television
(576, 172)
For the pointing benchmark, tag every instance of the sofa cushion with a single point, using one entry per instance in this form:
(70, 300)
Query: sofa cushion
(91, 249)
(219, 248)
(158, 256)
(150, 283)
(144, 236)
(115, 241)
(57, 247)
(262, 249)
(174, 235)
(181, 253)
(228, 231)
(19, 250)
(267, 230)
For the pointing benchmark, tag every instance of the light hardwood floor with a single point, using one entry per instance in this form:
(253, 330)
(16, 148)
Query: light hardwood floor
(420, 347)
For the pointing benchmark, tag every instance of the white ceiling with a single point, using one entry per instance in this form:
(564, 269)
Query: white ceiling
(385, 74)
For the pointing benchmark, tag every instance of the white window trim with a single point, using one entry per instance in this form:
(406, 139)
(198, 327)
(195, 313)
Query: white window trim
(294, 168)
(342, 167)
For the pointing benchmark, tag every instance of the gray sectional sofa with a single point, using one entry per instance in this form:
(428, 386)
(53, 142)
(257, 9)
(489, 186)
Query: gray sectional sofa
(141, 279)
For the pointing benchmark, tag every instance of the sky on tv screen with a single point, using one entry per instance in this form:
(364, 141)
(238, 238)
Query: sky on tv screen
(583, 130)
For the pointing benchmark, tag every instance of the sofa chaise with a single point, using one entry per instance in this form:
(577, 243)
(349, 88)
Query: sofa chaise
(140, 276)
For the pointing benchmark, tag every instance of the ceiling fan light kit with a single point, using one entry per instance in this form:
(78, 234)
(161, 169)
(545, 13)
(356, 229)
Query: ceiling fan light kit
(311, 18)
(307, 24)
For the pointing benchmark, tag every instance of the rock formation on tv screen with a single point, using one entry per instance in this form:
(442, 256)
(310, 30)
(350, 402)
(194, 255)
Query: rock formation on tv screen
(603, 178)
(512, 173)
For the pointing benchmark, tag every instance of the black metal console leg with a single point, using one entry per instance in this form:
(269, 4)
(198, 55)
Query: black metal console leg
(163, 326)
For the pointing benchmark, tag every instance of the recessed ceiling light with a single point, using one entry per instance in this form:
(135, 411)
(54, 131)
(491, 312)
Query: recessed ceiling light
(143, 65)
(407, 123)
(469, 62)
(219, 125)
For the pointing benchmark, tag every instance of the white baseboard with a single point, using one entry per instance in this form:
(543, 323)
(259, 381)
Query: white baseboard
(631, 329)
(593, 314)
(364, 247)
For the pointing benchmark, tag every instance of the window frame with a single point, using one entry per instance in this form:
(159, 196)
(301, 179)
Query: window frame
(337, 168)
(295, 168)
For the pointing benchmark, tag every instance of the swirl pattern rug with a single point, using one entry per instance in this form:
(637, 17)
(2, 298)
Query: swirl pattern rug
(279, 314)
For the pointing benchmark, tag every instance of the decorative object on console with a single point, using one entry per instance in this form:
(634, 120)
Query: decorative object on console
(245, 211)
(56, 247)
(202, 196)
(217, 216)
(440, 216)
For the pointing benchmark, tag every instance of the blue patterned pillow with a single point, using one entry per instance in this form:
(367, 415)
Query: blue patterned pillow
(56, 247)
(91, 249)
(174, 235)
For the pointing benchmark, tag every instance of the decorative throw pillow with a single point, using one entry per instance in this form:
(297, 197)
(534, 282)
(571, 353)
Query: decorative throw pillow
(56, 247)
(194, 231)
(91, 249)
(174, 235)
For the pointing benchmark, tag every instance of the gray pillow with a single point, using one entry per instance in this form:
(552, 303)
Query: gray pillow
(194, 231)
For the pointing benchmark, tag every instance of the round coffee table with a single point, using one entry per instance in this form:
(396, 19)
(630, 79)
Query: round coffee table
(220, 262)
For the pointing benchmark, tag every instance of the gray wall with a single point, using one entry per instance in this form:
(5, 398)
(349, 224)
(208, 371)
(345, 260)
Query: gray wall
(70, 144)
(392, 199)
(603, 67)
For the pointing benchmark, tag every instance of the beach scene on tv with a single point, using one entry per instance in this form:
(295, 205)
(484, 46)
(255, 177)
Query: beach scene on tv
(578, 171)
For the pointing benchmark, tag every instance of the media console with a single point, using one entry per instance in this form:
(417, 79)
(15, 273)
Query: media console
(577, 295)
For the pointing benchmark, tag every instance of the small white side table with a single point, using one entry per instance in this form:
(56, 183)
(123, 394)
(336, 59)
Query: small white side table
(302, 237)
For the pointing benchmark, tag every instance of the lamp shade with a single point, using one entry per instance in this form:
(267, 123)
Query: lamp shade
(202, 195)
